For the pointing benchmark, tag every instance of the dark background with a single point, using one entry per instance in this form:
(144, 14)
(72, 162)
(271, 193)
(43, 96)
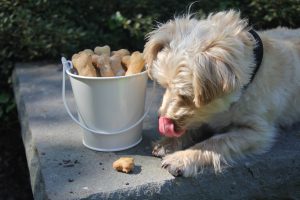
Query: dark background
(47, 29)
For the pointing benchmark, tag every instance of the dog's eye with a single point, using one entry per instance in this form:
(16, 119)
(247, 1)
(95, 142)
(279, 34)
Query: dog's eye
(184, 101)
(184, 98)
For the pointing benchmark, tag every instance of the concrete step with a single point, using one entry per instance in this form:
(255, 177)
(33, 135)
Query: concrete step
(62, 168)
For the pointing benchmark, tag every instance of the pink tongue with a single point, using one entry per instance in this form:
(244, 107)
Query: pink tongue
(166, 128)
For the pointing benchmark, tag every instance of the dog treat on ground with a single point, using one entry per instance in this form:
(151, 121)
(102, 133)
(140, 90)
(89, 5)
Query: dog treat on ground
(115, 63)
(83, 64)
(125, 62)
(121, 52)
(136, 63)
(103, 63)
(102, 50)
(124, 164)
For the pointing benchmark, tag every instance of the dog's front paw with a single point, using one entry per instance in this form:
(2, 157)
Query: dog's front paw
(166, 146)
(159, 150)
(180, 163)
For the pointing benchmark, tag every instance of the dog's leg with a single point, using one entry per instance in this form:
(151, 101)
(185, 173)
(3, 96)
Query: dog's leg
(166, 146)
(169, 145)
(222, 148)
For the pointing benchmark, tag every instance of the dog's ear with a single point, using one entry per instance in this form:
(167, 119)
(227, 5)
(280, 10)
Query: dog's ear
(157, 40)
(212, 78)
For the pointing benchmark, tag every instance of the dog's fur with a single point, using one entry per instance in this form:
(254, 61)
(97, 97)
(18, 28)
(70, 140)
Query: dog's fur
(205, 66)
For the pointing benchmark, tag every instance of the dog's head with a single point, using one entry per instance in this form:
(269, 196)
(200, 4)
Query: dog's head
(202, 64)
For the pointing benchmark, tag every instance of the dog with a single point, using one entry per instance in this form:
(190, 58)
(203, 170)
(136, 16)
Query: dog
(227, 89)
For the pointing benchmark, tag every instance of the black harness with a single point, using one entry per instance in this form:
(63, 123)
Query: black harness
(258, 54)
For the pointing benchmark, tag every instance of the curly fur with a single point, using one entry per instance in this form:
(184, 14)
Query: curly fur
(204, 66)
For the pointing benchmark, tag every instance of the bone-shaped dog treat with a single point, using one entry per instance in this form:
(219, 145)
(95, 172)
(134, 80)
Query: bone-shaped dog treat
(124, 164)
(103, 63)
(95, 58)
(102, 50)
(115, 63)
(121, 52)
(125, 62)
(136, 63)
(83, 64)
(88, 51)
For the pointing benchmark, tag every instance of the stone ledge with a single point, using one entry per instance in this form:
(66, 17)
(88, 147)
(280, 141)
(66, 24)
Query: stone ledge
(62, 168)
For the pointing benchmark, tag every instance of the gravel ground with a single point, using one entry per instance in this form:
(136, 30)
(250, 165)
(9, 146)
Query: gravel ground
(14, 177)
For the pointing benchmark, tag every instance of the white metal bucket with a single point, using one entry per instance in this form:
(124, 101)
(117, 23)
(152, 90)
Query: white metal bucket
(110, 109)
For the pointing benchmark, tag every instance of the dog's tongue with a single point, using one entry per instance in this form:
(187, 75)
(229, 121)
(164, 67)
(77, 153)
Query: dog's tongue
(166, 128)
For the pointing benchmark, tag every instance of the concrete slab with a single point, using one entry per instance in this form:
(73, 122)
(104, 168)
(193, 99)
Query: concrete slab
(62, 168)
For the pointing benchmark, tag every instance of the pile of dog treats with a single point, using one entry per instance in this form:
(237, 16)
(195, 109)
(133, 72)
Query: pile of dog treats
(103, 63)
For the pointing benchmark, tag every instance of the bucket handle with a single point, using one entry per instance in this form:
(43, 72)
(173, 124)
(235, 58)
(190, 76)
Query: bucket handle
(67, 65)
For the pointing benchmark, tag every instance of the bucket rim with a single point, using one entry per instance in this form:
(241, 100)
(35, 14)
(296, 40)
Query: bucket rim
(105, 78)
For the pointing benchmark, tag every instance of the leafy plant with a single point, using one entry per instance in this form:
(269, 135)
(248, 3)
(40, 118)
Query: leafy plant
(46, 29)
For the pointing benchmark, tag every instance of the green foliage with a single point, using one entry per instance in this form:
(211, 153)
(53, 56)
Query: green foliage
(273, 13)
(7, 103)
(47, 29)
(44, 29)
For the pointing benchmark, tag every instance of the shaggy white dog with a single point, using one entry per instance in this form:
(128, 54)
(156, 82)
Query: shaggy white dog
(215, 84)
